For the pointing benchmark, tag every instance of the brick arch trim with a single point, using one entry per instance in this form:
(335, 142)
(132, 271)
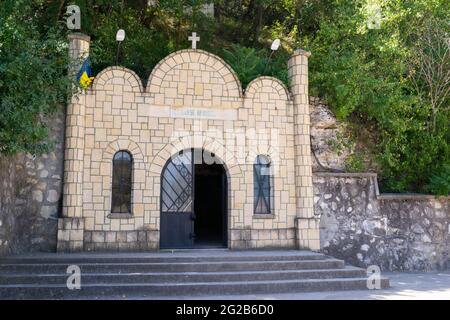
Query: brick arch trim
(116, 72)
(191, 56)
(229, 160)
(275, 84)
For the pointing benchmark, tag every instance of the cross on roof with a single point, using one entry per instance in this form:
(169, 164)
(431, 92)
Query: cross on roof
(194, 40)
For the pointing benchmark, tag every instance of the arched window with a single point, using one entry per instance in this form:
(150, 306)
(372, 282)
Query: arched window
(261, 185)
(121, 182)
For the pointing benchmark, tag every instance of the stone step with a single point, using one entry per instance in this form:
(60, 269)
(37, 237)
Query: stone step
(165, 257)
(122, 290)
(161, 277)
(206, 266)
(179, 273)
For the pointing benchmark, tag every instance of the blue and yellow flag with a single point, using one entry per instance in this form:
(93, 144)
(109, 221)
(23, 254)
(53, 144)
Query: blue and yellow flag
(84, 75)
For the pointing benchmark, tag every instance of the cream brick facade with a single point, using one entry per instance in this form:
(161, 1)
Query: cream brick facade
(193, 99)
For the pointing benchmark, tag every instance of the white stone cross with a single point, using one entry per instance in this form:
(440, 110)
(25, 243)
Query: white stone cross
(194, 40)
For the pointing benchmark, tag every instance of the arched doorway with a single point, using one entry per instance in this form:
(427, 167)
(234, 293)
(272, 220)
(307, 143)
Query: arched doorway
(193, 201)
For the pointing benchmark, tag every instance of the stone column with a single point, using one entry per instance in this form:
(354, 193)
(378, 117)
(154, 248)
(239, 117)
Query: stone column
(71, 224)
(306, 224)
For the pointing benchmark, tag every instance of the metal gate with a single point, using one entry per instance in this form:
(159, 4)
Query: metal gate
(177, 202)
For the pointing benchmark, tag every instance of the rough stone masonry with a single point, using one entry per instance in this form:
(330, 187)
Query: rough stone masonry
(30, 196)
(392, 231)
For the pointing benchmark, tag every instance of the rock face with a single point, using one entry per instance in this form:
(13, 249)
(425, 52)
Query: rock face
(328, 140)
(30, 195)
(394, 232)
(321, 116)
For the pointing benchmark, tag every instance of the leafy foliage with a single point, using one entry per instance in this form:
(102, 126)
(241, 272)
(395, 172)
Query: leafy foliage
(376, 80)
(33, 78)
(250, 64)
(365, 75)
(440, 182)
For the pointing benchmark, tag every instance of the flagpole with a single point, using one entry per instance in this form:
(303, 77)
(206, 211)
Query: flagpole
(117, 56)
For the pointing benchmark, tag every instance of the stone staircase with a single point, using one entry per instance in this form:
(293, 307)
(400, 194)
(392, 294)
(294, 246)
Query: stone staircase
(180, 273)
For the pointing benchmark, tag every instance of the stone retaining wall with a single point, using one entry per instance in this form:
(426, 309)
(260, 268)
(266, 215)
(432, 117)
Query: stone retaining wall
(7, 178)
(395, 232)
(30, 194)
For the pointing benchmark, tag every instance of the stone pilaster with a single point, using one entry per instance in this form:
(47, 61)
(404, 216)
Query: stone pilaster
(306, 224)
(71, 226)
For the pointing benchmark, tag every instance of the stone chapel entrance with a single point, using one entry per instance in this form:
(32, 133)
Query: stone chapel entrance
(193, 201)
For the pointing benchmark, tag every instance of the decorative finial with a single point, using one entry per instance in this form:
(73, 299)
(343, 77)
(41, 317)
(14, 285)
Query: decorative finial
(194, 40)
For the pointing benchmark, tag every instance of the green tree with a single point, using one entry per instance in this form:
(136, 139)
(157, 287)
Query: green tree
(389, 84)
(365, 75)
(33, 77)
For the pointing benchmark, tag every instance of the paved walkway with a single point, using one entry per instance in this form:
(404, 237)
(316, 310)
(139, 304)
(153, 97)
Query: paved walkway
(404, 286)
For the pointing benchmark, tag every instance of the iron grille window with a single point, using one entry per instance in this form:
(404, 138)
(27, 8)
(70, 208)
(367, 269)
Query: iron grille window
(261, 182)
(177, 190)
(121, 182)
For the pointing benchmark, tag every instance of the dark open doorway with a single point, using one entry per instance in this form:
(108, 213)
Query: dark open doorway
(193, 202)
(210, 206)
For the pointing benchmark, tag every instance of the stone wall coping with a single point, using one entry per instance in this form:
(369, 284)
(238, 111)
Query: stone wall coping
(79, 35)
(381, 196)
(301, 52)
(411, 196)
(346, 174)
